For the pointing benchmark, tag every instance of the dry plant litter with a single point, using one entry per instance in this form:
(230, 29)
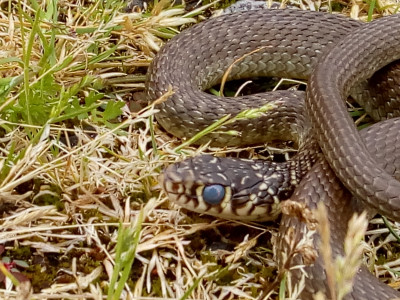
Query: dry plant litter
(79, 196)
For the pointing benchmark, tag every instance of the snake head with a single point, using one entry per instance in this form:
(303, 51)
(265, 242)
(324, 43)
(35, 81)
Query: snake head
(228, 187)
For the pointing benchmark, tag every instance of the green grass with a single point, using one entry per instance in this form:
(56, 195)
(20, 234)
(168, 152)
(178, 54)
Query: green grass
(77, 167)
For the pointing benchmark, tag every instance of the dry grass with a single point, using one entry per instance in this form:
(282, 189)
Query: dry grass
(73, 166)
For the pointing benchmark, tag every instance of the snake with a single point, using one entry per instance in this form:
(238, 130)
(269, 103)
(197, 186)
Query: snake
(338, 57)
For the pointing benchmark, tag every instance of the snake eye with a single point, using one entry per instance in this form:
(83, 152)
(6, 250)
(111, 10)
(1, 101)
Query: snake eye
(214, 194)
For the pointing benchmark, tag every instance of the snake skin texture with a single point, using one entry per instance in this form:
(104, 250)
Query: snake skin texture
(203, 61)
(321, 185)
(373, 46)
(338, 56)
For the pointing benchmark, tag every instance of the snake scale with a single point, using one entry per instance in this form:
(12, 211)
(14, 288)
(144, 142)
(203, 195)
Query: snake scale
(338, 57)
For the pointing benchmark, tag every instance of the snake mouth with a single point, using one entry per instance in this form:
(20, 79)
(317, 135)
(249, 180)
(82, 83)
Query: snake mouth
(246, 212)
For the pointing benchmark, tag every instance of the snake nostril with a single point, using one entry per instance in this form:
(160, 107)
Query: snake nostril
(176, 188)
(214, 194)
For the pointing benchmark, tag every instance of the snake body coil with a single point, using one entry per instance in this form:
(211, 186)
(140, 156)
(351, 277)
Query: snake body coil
(282, 44)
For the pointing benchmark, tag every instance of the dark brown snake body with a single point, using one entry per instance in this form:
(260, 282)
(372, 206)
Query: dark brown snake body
(291, 44)
(383, 142)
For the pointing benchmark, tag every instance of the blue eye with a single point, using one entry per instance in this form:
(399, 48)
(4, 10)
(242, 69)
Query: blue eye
(214, 194)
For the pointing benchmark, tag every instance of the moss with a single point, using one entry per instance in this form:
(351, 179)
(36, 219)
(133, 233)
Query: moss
(92, 213)
(21, 253)
(41, 277)
(47, 194)
(43, 271)
(221, 4)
